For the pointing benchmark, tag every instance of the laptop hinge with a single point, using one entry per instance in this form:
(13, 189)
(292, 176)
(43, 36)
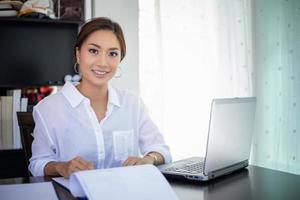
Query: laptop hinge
(227, 170)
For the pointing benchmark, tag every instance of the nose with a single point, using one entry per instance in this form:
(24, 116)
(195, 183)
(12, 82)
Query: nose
(102, 59)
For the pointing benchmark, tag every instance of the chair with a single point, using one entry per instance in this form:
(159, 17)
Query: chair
(12, 164)
(26, 124)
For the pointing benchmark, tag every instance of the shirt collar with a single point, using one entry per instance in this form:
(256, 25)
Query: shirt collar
(113, 97)
(74, 97)
(71, 93)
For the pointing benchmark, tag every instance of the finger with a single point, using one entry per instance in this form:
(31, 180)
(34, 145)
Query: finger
(74, 169)
(129, 161)
(144, 161)
(83, 163)
(126, 161)
(90, 165)
(76, 164)
(139, 162)
(132, 161)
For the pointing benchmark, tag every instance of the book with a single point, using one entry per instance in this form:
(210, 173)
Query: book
(133, 182)
(6, 122)
(24, 104)
(8, 13)
(5, 6)
(16, 5)
(16, 94)
(7, 10)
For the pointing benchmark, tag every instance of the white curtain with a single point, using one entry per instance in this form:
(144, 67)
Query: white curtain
(276, 141)
(190, 52)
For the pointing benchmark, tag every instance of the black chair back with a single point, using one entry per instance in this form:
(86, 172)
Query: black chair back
(26, 124)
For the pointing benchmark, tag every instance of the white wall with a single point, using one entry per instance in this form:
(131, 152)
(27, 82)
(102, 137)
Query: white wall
(126, 14)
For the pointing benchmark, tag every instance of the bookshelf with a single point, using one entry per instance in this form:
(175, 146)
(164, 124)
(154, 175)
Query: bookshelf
(33, 53)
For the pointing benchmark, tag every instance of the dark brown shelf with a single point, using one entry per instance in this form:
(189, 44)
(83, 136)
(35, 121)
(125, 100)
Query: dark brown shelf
(20, 19)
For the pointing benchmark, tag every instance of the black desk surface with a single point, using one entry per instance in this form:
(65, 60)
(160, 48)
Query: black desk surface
(250, 183)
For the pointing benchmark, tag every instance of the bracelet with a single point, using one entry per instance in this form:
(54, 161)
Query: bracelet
(154, 157)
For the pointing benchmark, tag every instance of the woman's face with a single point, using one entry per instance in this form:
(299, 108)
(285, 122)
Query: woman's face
(99, 57)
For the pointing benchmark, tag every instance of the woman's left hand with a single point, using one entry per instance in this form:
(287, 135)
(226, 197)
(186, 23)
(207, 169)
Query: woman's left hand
(138, 161)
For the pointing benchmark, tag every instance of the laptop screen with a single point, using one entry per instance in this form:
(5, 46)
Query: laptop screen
(230, 132)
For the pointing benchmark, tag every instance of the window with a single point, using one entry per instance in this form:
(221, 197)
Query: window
(190, 52)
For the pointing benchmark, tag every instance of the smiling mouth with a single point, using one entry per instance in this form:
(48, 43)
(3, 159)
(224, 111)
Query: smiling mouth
(99, 72)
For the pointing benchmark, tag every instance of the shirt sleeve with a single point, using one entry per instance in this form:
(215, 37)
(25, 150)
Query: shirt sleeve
(150, 138)
(43, 150)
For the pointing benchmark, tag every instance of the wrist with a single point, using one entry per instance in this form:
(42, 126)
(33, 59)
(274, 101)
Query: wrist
(60, 168)
(51, 169)
(153, 157)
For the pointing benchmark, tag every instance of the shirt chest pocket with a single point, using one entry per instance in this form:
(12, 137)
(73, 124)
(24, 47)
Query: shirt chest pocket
(123, 144)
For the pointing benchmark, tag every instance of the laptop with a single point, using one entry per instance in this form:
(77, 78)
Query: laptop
(228, 143)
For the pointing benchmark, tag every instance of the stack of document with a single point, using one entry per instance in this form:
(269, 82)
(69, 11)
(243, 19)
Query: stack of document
(135, 182)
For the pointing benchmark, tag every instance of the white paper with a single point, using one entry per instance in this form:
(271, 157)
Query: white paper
(62, 181)
(28, 191)
(136, 182)
(76, 187)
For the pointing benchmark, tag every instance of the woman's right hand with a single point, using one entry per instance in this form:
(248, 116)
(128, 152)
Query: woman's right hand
(65, 169)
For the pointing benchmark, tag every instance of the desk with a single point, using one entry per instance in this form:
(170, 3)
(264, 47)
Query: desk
(250, 183)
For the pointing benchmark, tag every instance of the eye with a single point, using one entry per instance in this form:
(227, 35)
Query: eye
(113, 53)
(93, 51)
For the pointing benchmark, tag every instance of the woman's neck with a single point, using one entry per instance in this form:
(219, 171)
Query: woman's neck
(94, 93)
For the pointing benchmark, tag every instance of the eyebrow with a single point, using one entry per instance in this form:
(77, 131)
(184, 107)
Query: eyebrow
(99, 47)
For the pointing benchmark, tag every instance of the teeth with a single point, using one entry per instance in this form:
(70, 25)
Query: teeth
(99, 72)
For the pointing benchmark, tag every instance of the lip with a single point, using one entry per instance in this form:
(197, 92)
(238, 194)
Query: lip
(99, 73)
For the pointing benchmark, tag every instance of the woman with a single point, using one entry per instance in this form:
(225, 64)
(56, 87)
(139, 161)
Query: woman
(92, 124)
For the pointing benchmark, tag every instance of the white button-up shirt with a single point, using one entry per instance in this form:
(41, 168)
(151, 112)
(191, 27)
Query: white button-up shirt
(66, 126)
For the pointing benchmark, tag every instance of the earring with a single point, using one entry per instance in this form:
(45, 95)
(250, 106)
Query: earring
(76, 68)
(120, 73)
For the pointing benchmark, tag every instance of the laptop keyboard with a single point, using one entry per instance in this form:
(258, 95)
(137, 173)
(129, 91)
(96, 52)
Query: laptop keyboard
(193, 168)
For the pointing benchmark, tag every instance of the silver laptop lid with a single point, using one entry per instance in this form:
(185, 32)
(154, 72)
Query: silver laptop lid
(230, 132)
